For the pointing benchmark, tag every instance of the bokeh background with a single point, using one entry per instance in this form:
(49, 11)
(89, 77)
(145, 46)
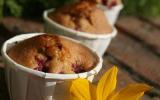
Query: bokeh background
(34, 8)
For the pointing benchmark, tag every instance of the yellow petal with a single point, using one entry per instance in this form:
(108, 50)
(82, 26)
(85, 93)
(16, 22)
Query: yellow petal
(131, 92)
(107, 84)
(80, 89)
(93, 91)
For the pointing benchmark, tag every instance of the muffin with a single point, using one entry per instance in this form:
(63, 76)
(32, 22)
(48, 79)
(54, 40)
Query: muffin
(108, 3)
(52, 54)
(82, 16)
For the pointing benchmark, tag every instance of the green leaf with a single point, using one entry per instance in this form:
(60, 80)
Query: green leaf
(1, 8)
(14, 8)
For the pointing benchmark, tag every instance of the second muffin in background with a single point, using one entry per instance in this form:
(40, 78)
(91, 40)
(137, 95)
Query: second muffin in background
(83, 16)
(82, 21)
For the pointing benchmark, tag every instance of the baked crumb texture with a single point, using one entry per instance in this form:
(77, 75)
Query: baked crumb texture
(83, 16)
(53, 54)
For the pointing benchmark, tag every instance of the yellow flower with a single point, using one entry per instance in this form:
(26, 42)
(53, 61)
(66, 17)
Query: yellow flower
(82, 89)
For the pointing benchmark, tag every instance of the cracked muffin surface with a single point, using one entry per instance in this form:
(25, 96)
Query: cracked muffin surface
(83, 16)
(53, 54)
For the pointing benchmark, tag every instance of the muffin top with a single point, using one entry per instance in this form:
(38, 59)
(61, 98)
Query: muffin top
(83, 16)
(108, 3)
(53, 54)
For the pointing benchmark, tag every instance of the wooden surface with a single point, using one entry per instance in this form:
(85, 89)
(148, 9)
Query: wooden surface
(135, 50)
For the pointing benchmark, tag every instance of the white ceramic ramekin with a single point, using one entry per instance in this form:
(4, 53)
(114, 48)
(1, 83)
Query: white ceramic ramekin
(97, 42)
(27, 84)
(112, 13)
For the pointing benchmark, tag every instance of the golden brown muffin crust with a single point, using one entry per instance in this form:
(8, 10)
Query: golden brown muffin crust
(82, 16)
(53, 54)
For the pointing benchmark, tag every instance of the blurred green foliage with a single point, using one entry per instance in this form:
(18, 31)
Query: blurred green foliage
(1, 8)
(29, 8)
(34, 8)
(145, 8)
